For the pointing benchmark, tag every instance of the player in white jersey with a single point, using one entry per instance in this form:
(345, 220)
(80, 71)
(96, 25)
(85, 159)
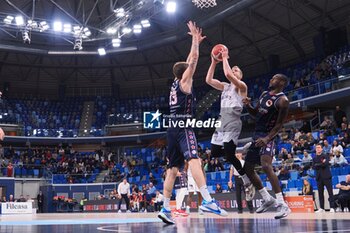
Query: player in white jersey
(225, 138)
(192, 188)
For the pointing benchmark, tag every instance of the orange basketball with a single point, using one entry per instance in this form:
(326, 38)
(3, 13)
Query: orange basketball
(216, 51)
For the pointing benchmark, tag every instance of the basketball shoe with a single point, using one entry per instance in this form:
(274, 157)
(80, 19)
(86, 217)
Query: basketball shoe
(165, 216)
(283, 211)
(266, 205)
(180, 213)
(213, 207)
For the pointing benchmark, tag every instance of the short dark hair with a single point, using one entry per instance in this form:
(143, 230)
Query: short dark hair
(318, 144)
(179, 69)
(283, 78)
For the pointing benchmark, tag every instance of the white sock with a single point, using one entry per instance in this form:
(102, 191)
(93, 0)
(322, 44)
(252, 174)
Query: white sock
(166, 204)
(245, 179)
(279, 198)
(265, 195)
(205, 193)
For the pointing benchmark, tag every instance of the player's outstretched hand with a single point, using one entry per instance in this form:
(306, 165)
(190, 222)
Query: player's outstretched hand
(195, 31)
(193, 28)
(246, 100)
(2, 134)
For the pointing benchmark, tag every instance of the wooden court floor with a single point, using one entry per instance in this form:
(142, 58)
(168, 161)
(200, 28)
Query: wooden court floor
(148, 222)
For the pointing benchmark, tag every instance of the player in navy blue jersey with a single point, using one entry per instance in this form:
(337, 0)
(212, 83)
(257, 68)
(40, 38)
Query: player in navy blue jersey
(182, 144)
(270, 114)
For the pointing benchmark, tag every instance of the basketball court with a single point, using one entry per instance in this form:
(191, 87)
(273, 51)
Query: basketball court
(148, 222)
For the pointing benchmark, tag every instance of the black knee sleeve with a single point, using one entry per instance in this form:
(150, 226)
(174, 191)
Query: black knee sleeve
(230, 155)
(216, 151)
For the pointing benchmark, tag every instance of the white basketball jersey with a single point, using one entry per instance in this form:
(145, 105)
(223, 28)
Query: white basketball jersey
(231, 103)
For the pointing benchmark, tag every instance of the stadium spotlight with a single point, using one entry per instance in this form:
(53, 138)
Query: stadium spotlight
(26, 36)
(126, 30)
(19, 20)
(101, 51)
(78, 44)
(145, 23)
(137, 28)
(119, 12)
(67, 27)
(43, 26)
(87, 32)
(111, 30)
(8, 19)
(116, 42)
(171, 7)
(57, 26)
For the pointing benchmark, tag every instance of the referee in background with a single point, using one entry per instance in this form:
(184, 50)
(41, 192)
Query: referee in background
(239, 186)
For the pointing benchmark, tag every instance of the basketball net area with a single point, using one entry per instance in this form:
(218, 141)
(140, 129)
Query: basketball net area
(204, 3)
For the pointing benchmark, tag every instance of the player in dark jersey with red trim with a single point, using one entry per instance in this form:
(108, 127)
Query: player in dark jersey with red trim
(270, 114)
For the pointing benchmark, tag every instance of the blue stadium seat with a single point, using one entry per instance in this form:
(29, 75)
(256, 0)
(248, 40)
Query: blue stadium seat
(294, 175)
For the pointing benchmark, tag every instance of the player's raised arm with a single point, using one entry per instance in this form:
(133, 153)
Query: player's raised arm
(230, 75)
(192, 60)
(210, 76)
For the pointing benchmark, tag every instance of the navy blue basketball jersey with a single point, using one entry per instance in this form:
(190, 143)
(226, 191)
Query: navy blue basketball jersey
(179, 102)
(267, 112)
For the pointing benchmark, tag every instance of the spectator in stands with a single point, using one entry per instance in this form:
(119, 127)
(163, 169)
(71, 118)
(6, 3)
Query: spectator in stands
(10, 170)
(297, 147)
(307, 159)
(307, 188)
(342, 199)
(152, 179)
(283, 173)
(284, 136)
(218, 165)
(218, 188)
(323, 177)
(113, 195)
(289, 162)
(345, 140)
(283, 154)
(151, 190)
(124, 193)
(338, 116)
(297, 134)
(343, 129)
(11, 198)
(345, 120)
(336, 147)
(321, 138)
(326, 147)
(158, 202)
(338, 159)
(21, 199)
(326, 123)
(3, 199)
(306, 127)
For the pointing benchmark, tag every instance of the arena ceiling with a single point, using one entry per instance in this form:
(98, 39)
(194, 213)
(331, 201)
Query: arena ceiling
(251, 29)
